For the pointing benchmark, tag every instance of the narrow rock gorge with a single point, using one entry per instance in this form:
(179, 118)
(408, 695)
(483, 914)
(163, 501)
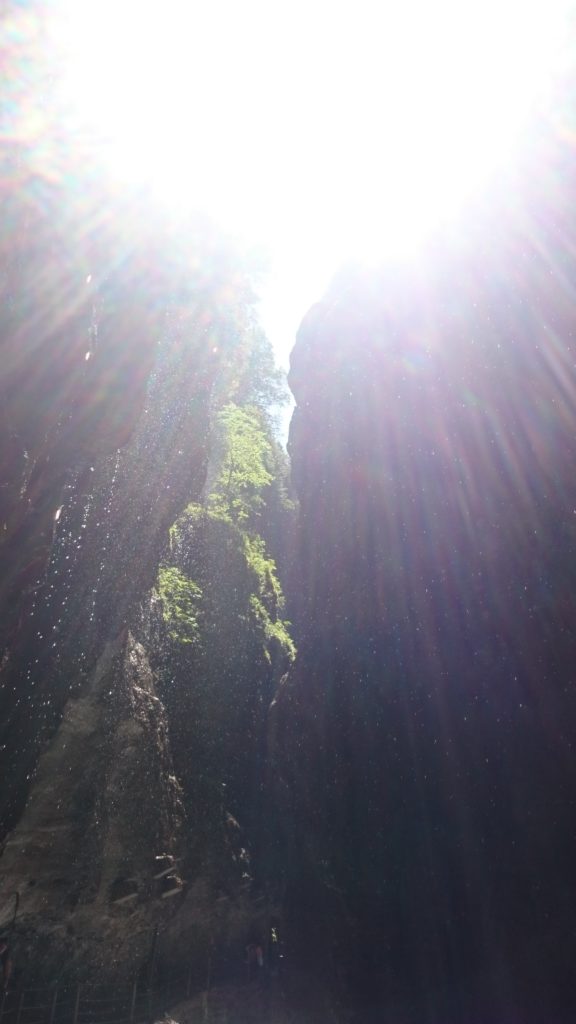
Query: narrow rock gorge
(298, 727)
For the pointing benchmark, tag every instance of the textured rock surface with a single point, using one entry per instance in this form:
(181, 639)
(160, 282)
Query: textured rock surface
(424, 737)
(88, 795)
(104, 804)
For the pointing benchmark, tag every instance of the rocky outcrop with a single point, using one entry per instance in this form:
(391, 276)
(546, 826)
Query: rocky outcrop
(221, 646)
(104, 810)
(84, 521)
(78, 334)
(423, 739)
(123, 872)
(113, 336)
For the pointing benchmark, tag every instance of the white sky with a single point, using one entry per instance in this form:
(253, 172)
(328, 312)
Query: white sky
(325, 130)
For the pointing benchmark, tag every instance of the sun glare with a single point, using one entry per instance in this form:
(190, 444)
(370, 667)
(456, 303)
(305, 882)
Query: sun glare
(353, 128)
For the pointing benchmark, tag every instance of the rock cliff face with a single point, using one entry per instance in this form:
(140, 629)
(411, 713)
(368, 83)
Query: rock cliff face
(104, 807)
(112, 341)
(425, 736)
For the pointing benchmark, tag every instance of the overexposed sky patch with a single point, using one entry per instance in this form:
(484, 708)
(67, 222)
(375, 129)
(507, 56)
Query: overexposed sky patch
(324, 131)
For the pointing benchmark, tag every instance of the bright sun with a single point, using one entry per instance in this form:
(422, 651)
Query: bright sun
(358, 118)
(347, 128)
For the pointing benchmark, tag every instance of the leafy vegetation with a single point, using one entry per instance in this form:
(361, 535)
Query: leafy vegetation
(242, 451)
(181, 599)
(239, 588)
(220, 580)
(267, 603)
(250, 376)
(224, 640)
(245, 463)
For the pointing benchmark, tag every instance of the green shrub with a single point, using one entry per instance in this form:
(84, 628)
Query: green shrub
(181, 599)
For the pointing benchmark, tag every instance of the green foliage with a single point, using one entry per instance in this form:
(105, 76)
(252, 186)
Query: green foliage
(181, 599)
(222, 601)
(239, 594)
(232, 614)
(193, 514)
(261, 383)
(273, 630)
(267, 602)
(242, 452)
(249, 375)
(264, 568)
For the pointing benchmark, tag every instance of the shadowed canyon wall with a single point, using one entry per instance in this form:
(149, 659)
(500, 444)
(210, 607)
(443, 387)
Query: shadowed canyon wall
(425, 737)
(419, 812)
(114, 339)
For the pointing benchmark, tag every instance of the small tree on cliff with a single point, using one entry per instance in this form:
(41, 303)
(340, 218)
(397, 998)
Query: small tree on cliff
(249, 376)
(242, 458)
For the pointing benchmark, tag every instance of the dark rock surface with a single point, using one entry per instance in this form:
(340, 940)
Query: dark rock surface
(104, 802)
(424, 740)
(102, 455)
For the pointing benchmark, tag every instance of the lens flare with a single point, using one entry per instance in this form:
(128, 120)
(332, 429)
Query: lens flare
(356, 125)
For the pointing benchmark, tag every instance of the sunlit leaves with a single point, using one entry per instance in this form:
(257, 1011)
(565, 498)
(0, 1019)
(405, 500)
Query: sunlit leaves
(267, 601)
(242, 453)
(180, 604)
